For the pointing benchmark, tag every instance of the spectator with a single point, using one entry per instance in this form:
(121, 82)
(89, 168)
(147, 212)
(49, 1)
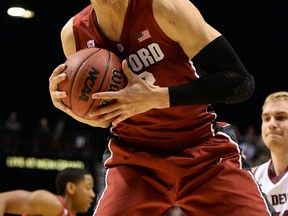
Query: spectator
(42, 138)
(12, 128)
(249, 143)
(272, 175)
(13, 123)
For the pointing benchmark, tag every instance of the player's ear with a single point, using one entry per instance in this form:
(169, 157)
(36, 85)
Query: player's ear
(70, 187)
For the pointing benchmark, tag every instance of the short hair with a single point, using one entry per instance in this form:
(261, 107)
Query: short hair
(69, 174)
(276, 96)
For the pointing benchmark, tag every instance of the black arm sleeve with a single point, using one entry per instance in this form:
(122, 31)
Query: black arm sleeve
(226, 79)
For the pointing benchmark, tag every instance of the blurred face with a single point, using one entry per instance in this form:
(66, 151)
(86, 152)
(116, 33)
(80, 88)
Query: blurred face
(275, 126)
(84, 194)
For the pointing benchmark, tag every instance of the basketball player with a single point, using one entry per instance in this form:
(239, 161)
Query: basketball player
(273, 175)
(75, 195)
(167, 148)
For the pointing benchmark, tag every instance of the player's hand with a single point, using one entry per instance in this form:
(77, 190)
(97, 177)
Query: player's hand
(56, 96)
(137, 97)
(55, 78)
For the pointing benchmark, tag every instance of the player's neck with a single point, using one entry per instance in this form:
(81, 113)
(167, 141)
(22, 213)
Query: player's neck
(280, 163)
(109, 10)
(109, 17)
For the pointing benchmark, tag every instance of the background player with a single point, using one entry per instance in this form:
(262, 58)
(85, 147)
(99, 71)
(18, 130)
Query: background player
(74, 195)
(167, 149)
(273, 174)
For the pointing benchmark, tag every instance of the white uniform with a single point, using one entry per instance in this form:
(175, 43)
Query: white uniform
(276, 188)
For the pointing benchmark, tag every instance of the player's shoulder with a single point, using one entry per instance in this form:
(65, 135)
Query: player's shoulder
(175, 17)
(45, 194)
(83, 15)
(67, 27)
(68, 38)
(46, 200)
(169, 3)
(170, 7)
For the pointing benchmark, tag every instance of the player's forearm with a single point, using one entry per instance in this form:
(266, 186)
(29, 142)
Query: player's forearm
(226, 79)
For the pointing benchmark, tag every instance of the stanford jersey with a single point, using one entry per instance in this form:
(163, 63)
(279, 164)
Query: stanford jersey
(276, 188)
(147, 48)
(164, 157)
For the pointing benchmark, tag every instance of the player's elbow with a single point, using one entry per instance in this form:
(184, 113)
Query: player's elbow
(243, 90)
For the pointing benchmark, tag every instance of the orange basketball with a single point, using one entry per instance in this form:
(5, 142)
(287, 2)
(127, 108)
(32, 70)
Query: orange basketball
(89, 71)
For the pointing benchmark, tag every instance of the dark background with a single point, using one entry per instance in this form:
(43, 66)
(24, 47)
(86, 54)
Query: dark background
(31, 49)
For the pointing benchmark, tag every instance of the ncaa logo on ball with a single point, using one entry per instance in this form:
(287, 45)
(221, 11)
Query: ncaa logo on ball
(115, 83)
(89, 84)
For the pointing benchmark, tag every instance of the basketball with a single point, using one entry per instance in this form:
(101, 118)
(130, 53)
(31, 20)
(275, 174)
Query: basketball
(89, 71)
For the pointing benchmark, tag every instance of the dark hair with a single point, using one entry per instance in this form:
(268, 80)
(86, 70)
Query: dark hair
(69, 174)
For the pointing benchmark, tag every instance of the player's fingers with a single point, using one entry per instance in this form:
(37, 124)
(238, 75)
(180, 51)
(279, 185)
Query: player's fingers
(59, 104)
(113, 117)
(127, 71)
(58, 95)
(106, 110)
(57, 71)
(53, 84)
(119, 118)
(107, 95)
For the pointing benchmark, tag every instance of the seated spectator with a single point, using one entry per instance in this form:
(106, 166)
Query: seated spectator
(12, 128)
(42, 138)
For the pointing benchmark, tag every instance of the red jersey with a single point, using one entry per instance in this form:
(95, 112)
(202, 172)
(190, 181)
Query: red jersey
(147, 48)
(65, 211)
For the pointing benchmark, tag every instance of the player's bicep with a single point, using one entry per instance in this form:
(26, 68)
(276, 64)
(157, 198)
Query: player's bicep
(32, 203)
(182, 22)
(19, 201)
(68, 39)
(42, 201)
